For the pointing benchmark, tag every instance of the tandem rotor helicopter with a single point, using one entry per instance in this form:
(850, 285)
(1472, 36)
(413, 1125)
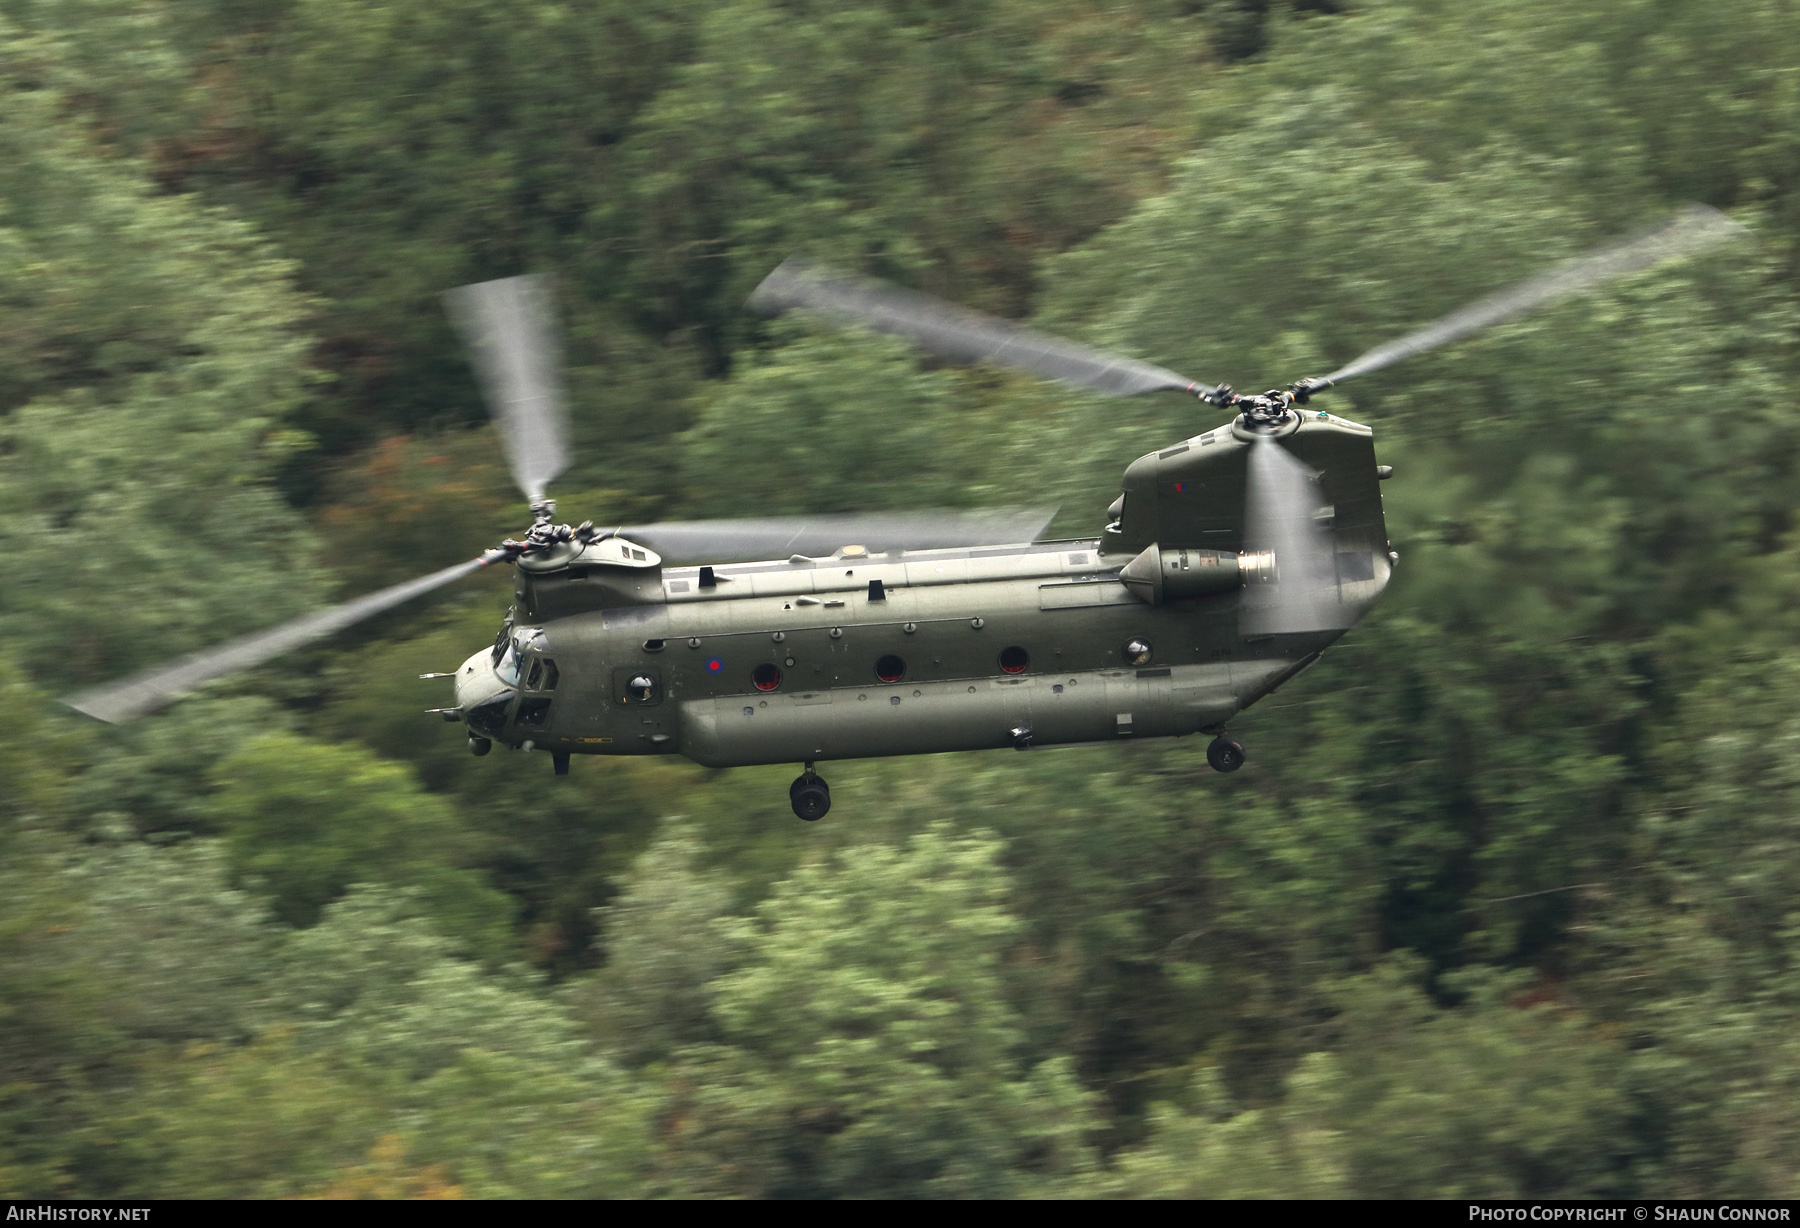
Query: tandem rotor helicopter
(1230, 561)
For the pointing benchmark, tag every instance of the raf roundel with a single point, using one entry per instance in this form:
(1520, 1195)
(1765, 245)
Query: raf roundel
(714, 665)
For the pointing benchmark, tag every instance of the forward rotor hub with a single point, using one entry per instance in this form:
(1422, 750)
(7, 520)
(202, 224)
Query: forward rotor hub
(545, 533)
(1264, 411)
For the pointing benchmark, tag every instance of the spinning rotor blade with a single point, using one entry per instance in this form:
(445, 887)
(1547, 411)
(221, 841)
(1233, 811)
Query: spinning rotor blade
(509, 326)
(957, 333)
(1294, 586)
(132, 697)
(773, 537)
(1695, 227)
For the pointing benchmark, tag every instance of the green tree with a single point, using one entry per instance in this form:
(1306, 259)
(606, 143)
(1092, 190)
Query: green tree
(659, 158)
(1285, 1151)
(666, 942)
(155, 350)
(1498, 1098)
(1501, 1097)
(492, 1080)
(110, 956)
(304, 820)
(833, 422)
(868, 1046)
(371, 1028)
(153, 778)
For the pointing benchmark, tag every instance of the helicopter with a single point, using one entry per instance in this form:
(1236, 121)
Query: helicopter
(1229, 563)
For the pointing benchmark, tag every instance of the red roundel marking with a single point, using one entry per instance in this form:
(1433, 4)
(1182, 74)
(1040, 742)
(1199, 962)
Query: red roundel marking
(714, 665)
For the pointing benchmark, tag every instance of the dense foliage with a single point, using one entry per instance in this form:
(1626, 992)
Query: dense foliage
(1502, 904)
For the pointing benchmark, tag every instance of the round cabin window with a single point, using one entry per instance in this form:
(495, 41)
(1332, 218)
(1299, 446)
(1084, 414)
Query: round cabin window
(641, 688)
(766, 677)
(1014, 660)
(890, 668)
(1137, 652)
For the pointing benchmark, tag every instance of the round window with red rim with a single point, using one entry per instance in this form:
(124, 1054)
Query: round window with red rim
(890, 668)
(766, 677)
(1014, 660)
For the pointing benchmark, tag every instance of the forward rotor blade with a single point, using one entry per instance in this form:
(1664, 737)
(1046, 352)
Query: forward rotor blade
(132, 697)
(509, 327)
(1296, 584)
(956, 332)
(1692, 229)
(774, 537)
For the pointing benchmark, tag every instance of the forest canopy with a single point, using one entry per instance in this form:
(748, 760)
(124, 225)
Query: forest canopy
(1502, 905)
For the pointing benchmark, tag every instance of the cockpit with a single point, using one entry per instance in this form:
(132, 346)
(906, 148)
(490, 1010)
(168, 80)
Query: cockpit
(518, 659)
(519, 668)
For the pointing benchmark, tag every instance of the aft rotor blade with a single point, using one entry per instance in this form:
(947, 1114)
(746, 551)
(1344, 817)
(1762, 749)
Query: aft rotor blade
(1694, 228)
(510, 329)
(1294, 585)
(132, 697)
(774, 537)
(956, 332)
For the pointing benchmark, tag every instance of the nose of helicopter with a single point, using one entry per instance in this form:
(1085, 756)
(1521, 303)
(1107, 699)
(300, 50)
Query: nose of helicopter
(478, 683)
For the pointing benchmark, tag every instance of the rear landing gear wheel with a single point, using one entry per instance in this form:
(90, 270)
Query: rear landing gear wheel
(1225, 754)
(810, 795)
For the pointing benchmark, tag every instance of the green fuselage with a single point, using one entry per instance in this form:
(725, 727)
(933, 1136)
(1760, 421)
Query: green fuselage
(858, 655)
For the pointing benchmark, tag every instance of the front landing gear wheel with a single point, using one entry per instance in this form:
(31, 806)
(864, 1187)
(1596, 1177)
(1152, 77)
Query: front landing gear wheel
(1225, 754)
(811, 796)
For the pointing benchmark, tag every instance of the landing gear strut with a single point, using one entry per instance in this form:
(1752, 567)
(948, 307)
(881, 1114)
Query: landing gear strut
(810, 795)
(1226, 754)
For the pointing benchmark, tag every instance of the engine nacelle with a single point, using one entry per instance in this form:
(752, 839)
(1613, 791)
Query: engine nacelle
(1157, 575)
